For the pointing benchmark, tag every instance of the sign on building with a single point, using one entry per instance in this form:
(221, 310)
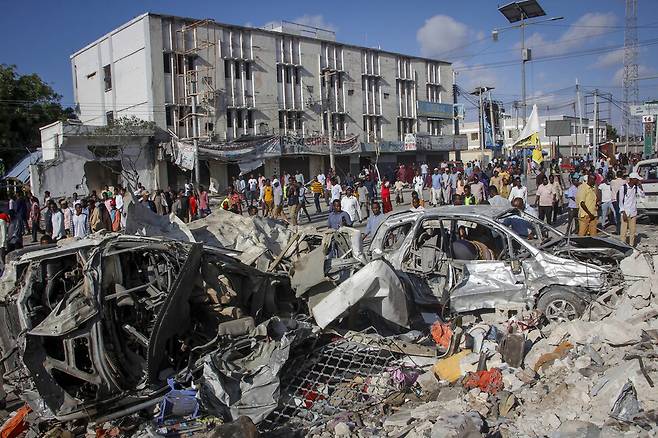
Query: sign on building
(409, 142)
(647, 109)
(648, 119)
(558, 128)
(436, 109)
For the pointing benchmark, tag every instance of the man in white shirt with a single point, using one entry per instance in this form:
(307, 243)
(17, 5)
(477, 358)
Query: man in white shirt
(627, 196)
(418, 182)
(518, 191)
(350, 205)
(336, 191)
(477, 189)
(57, 220)
(79, 223)
(424, 169)
(252, 184)
(545, 198)
(615, 185)
(606, 201)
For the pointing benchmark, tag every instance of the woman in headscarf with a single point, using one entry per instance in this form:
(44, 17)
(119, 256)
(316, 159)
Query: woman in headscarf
(386, 196)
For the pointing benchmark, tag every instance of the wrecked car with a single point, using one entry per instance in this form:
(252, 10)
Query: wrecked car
(462, 259)
(94, 327)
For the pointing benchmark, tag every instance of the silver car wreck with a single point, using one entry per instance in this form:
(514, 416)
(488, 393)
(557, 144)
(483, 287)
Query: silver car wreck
(464, 259)
(94, 327)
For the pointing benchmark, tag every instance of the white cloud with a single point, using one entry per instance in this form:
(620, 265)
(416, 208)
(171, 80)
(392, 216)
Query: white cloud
(590, 26)
(441, 34)
(315, 21)
(611, 59)
(642, 70)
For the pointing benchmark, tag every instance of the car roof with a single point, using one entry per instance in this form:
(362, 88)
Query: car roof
(488, 211)
(649, 161)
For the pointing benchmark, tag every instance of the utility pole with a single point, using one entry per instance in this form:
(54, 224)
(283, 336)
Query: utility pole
(481, 126)
(454, 101)
(595, 152)
(580, 109)
(491, 122)
(524, 57)
(330, 128)
(195, 131)
(631, 92)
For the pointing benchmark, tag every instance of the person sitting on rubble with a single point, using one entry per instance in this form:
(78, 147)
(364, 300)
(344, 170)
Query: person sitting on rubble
(519, 225)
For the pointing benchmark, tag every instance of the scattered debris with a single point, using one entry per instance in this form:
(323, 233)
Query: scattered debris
(262, 330)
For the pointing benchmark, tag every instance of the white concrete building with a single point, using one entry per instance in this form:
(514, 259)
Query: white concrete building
(579, 140)
(259, 82)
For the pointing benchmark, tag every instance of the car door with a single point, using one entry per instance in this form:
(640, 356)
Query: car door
(494, 283)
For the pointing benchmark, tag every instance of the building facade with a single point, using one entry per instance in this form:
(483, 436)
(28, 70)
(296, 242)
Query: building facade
(290, 81)
(582, 134)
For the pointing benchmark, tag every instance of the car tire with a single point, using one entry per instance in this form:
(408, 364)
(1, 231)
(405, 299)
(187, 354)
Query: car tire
(560, 304)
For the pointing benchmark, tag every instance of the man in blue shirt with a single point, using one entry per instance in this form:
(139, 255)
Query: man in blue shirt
(436, 187)
(374, 220)
(338, 218)
(519, 225)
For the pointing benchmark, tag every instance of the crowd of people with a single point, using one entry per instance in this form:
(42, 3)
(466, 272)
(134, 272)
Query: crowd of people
(593, 194)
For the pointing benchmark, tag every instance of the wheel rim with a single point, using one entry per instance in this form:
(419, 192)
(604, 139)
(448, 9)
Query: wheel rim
(560, 311)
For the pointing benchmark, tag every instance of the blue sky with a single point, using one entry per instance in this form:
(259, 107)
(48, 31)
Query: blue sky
(39, 36)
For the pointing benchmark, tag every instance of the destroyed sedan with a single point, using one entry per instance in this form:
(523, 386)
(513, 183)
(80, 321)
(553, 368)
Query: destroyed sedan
(465, 259)
(94, 328)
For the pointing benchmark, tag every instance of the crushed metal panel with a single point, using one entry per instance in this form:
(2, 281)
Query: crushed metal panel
(488, 285)
(243, 379)
(376, 287)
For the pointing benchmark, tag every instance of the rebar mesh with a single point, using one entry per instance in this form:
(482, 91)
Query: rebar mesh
(340, 376)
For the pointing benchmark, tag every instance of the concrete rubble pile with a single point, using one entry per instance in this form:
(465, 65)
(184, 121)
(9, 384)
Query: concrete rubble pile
(264, 331)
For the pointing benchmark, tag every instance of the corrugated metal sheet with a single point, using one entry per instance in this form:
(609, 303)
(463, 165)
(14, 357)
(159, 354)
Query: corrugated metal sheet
(21, 170)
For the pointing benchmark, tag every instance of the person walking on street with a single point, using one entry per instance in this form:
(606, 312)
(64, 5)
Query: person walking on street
(615, 185)
(544, 200)
(293, 202)
(336, 190)
(386, 196)
(606, 201)
(570, 194)
(559, 196)
(418, 184)
(518, 191)
(586, 199)
(317, 189)
(301, 188)
(435, 190)
(628, 196)
(350, 205)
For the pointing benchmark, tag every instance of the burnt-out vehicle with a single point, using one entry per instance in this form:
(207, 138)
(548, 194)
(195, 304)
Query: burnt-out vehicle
(94, 327)
(469, 258)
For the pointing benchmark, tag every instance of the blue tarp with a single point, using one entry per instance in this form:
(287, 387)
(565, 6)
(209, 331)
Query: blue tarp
(21, 170)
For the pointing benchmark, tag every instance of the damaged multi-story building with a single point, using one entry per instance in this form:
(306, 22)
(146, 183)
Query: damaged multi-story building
(262, 98)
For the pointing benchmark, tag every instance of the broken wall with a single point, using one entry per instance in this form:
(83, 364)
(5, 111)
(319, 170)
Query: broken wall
(70, 171)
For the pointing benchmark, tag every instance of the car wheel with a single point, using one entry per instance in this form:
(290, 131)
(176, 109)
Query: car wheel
(560, 305)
